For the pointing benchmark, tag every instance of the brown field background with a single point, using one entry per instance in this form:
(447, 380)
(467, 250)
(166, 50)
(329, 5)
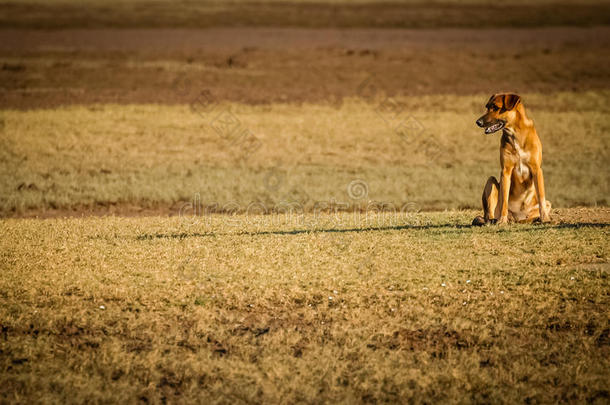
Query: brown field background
(302, 93)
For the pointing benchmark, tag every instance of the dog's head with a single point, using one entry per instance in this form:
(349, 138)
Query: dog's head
(501, 112)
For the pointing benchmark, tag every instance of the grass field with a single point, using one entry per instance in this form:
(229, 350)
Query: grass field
(327, 308)
(269, 201)
(405, 150)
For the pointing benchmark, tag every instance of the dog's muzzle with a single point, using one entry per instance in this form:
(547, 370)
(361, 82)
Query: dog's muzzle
(491, 128)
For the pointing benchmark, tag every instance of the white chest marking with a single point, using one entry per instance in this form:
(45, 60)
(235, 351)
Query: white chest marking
(522, 157)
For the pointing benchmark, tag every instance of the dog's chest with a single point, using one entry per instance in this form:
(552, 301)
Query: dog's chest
(520, 158)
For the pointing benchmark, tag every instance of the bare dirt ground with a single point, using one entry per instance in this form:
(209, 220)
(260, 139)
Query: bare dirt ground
(44, 69)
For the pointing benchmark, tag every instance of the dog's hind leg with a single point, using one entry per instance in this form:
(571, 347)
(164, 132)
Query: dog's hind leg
(491, 209)
(490, 199)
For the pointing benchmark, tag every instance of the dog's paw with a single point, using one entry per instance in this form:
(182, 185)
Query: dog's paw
(542, 220)
(478, 221)
(503, 221)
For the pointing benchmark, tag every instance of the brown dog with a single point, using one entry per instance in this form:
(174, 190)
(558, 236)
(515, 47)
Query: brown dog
(519, 196)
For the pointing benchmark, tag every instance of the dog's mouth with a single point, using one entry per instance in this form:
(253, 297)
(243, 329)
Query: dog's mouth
(495, 127)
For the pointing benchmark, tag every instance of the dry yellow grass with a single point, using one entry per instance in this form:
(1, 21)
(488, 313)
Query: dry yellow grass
(147, 154)
(330, 309)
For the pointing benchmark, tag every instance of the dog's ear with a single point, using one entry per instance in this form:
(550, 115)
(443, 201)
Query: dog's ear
(510, 101)
(491, 99)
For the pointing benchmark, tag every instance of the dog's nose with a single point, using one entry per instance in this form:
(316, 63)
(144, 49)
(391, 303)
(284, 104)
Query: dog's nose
(480, 122)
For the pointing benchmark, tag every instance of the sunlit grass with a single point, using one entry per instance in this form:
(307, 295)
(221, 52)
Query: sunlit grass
(337, 308)
(147, 154)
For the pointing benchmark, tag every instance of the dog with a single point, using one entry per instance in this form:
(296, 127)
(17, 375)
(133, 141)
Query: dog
(519, 196)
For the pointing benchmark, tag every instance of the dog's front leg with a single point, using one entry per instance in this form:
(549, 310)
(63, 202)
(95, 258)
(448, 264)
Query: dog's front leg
(539, 185)
(505, 191)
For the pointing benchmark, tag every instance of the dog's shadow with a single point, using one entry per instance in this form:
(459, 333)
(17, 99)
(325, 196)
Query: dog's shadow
(442, 228)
